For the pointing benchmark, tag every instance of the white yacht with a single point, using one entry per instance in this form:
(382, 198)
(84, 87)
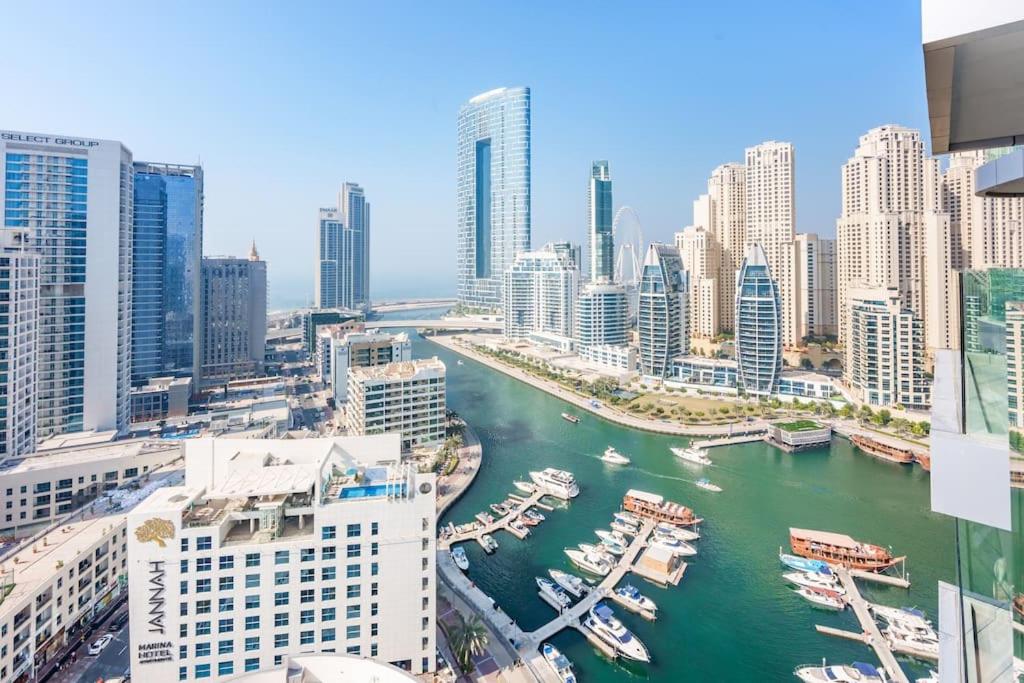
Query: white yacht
(673, 544)
(623, 528)
(551, 589)
(572, 584)
(459, 558)
(613, 457)
(908, 621)
(557, 483)
(928, 644)
(629, 594)
(601, 620)
(628, 518)
(599, 549)
(666, 529)
(558, 663)
(814, 580)
(819, 598)
(524, 486)
(488, 542)
(697, 456)
(858, 672)
(594, 564)
(612, 537)
(704, 483)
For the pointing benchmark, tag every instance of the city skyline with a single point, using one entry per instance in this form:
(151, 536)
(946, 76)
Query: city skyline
(241, 136)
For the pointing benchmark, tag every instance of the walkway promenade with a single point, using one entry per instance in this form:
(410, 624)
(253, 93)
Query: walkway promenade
(584, 402)
(451, 487)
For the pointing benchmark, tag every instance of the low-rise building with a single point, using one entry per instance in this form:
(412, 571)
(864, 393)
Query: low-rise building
(800, 434)
(258, 418)
(718, 375)
(326, 669)
(272, 547)
(161, 398)
(613, 356)
(802, 384)
(406, 397)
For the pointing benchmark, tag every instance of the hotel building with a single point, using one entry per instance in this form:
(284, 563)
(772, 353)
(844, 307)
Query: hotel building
(234, 317)
(662, 310)
(602, 326)
(540, 292)
(359, 350)
(272, 548)
(700, 254)
(727, 194)
(406, 397)
(493, 192)
(342, 271)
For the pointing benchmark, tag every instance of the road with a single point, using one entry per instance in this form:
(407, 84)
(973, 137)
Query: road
(112, 662)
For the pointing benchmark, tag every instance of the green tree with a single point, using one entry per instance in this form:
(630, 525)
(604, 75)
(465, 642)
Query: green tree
(468, 641)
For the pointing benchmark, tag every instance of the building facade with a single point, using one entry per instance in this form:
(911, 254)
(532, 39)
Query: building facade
(19, 339)
(662, 310)
(75, 198)
(273, 547)
(699, 251)
(493, 192)
(727, 194)
(758, 325)
(161, 398)
(234, 317)
(540, 292)
(407, 397)
(815, 286)
(167, 253)
(602, 315)
(361, 350)
(600, 214)
(342, 270)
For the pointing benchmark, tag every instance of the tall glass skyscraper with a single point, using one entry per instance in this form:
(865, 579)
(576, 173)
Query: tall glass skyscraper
(493, 192)
(343, 252)
(758, 325)
(167, 241)
(662, 310)
(599, 223)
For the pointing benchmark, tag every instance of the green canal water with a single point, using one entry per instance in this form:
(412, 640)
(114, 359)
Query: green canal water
(732, 618)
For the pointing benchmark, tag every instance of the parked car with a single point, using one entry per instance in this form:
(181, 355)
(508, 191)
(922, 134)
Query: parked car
(101, 643)
(118, 622)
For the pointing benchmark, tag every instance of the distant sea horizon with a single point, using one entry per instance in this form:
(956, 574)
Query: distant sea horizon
(290, 295)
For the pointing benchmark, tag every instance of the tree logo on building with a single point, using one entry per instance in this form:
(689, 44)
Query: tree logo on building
(156, 530)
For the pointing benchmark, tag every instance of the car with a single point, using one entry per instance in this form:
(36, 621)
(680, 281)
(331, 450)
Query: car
(117, 622)
(101, 643)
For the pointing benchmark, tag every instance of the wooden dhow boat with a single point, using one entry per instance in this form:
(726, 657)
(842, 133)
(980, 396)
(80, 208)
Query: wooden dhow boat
(840, 549)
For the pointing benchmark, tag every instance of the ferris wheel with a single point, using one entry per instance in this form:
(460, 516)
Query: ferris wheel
(629, 246)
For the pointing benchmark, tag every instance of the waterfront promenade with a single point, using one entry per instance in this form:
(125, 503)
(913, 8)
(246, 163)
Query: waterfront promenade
(451, 487)
(584, 402)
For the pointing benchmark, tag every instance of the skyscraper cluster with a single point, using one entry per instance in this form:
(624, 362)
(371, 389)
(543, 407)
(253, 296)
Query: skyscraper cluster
(342, 272)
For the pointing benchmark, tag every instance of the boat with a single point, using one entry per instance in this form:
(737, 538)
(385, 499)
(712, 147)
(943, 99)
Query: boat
(527, 521)
(612, 536)
(925, 645)
(570, 418)
(803, 564)
(674, 545)
(500, 509)
(572, 584)
(613, 457)
(516, 526)
(708, 486)
(591, 549)
(814, 580)
(614, 547)
(524, 486)
(559, 663)
(627, 518)
(623, 528)
(602, 622)
(653, 506)
(840, 549)
(553, 591)
(484, 518)
(822, 598)
(557, 483)
(534, 515)
(490, 545)
(884, 450)
(858, 672)
(459, 362)
(697, 456)
(630, 595)
(594, 564)
(459, 558)
(667, 529)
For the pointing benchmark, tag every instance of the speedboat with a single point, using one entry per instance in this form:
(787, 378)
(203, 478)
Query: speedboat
(822, 598)
(858, 672)
(696, 456)
(459, 362)
(804, 564)
(630, 595)
(530, 513)
(613, 547)
(557, 483)
(459, 558)
(570, 418)
(908, 620)
(551, 589)
(601, 620)
(613, 457)
(594, 564)
(814, 580)
(597, 550)
(500, 509)
(527, 521)
(926, 644)
(666, 529)
(708, 486)
(623, 528)
(628, 518)
(572, 584)
(612, 537)
(490, 545)
(558, 663)
(518, 526)
(524, 486)
(674, 545)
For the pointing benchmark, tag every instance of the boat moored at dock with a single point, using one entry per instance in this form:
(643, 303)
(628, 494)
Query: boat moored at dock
(525, 486)
(803, 564)
(553, 591)
(666, 529)
(593, 564)
(814, 580)
(840, 549)
(612, 537)
(858, 672)
(459, 558)
(559, 663)
(629, 594)
(555, 482)
(602, 622)
(572, 584)
(827, 599)
(653, 506)
(488, 542)
(884, 450)
(674, 545)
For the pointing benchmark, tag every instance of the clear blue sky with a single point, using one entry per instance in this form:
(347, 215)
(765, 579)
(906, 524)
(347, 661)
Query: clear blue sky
(283, 103)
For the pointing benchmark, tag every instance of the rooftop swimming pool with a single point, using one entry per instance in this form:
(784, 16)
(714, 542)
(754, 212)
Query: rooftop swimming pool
(372, 491)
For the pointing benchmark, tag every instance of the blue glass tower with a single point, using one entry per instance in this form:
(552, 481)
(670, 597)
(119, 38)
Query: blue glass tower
(662, 310)
(599, 217)
(758, 325)
(167, 240)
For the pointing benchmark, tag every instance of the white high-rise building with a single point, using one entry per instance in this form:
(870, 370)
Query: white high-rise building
(493, 192)
(815, 285)
(662, 310)
(540, 293)
(700, 256)
(273, 547)
(75, 197)
(602, 325)
(342, 270)
(19, 337)
(406, 397)
(362, 349)
(727, 191)
(771, 221)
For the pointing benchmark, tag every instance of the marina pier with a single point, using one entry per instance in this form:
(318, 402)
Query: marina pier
(503, 523)
(747, 437)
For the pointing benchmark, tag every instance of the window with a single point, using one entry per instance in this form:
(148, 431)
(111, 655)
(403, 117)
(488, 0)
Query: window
(227, 583)
(307, 616)
(375, 568)
(352, 631)
(307, 595)
(252, 580)
(374, 590)
(182, 673)
(373, 629)
(204, 543)
(305, 637)
(329, 552)
(183, 630)
(202, 607)
(307, 555)
(352, 591)
(307, 575)
(280, 598)
(281, 557)
(184, 545)
(352, 650)
(225, 647)
(328, 533)
(353, 550)
(352, 612)
(374, 548)
(183, 610)
(227, 561)
(202, 671)
(327, 593)
(226, 626)
(252, 663)
(252, 602)
(183, 566)
(202, 628)
(353, 530)
(252, 559)
(327, 635)
(374, 528)
(204, 564)
(328, 574)
(252, 623)
(327, 614)
(203, 586)
(252, 643)
(225, 668)
(352, 571)
(281, 619)
(281, 640)
(373, 649)
(202, 649)
(226, 605)
(280, 578)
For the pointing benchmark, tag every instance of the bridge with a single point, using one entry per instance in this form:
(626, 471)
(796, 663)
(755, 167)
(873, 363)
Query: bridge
(464, 324)
(410, 305)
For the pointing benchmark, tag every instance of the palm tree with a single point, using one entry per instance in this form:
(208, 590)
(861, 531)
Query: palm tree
(469, 640)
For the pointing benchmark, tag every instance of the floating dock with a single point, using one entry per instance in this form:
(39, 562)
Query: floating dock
(502, 523)
(750, 437)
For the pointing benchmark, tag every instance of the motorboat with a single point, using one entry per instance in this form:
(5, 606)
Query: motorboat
(613, 457)
(602, 622)
(628, 518)
(517, 526)
(553, 591)
(526, 521)
(674, 545)
(630, 595)
(666, 529)
(524, 486)
(612, 537)
(614, 547)
(559, 663)
(484, 518)
(697, 456)
(459, 558)
(858, 672)
(557, 483)
(827, 599)
(500, 509)
(623, 528)
(530, 513)
(594, 564)
(571, 583)
(706, 484)
(804, 564)
(490, 545)
(459, 362)
(597, 550)
(907, 620)
(814, 580)
(570, 418)
(925, 644)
